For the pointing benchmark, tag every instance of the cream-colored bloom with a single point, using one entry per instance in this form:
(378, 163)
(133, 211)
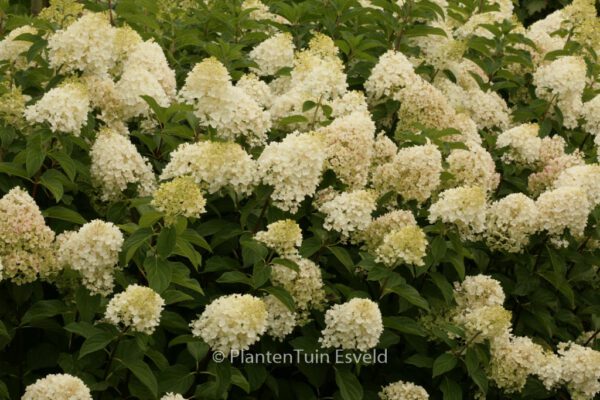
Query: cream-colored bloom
(465, 207)
(284, 237)
(87, 45)
(65, 108)
(414, 173)
(403, 391)
(228, 109)
(293, 167)
(562, 209)
(356, 324)
(181, 196)
(510, 222)
(473, 167)
(478, 291)
(273, 54)
(580, 370)
(349, 140)
(280, 320)
(305, 285)
(116, 163)
(137, 308)
(349, 212)
(11, 49)
(562, 83)
(213, 165)
(26, 243)
(232, 323)
(374, 233)
(523, 144)
(57, 387)
(407, 245)
(93, 251)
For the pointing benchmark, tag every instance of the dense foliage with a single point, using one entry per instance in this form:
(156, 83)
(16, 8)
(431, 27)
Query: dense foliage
(181, 179)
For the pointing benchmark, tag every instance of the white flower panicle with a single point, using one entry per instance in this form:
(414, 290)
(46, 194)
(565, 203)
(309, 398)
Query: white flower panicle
(172, 396)
(258, 90)
(273, 54)
(181, 196)
(405, 245)
(562, 209)
(591, 113)
(65, 108)
(213, 165)
(11, 50)
(513, 359)
(465, 207)
(349, 212)
(392, 72)
(293, 167)
(57, 387)
(356, 324)
(403, 391)
(510, 222)
(562, 82)
(222, 106)
(353, 101)
(284, 237)
(523, 144)
(149, 56)
(232, 323)
(280, 320)
(580, 370)
(137, 308)
(26, 243)
(585, 177)
(93, 251)
(374, 233)
(87, 45)
(414, 173)
(473, 167)
(116, 163)
(478, 291)
(305, 285)
(349, 140)
(135, 82)
(485, 323)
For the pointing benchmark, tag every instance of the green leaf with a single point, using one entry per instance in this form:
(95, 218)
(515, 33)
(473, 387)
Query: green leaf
(411, 295)
(286, 263)
(12, 169)
(142, 371)
(350, 387)
(84, 329)
(404, 325)
(52, 180)
(133, 242)
(158, 272)
(343, 256)
(198, 349)
(185, 249)
(94, 343)
(166, 242)
(283, 296)
(64, 214)
(444, 363)
(35, 154)
(451, 389)
(235, 277)
(43, 309)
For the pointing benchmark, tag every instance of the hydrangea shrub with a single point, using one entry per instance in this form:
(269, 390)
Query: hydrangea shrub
(185, 181)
